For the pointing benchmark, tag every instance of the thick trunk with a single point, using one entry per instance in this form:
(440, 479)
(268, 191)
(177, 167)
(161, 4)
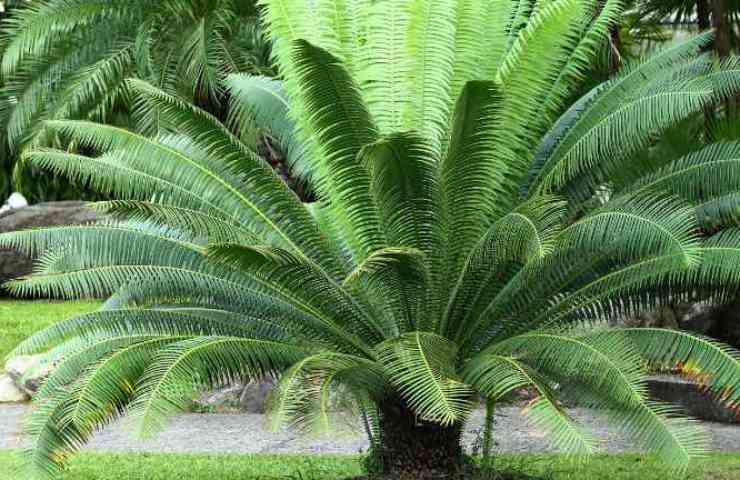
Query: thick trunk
(414, 449)
(702, 15)
(721, 27)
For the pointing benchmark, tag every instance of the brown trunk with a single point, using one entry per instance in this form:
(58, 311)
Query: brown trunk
(721, 27)
(412, 449)
(702, 15)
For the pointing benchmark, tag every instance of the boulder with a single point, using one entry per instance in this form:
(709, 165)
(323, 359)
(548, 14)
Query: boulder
(692, 398)
(9, 392)
(250, 398)
(14, 264)
(254, 396)
(28, 372)
(225, 399)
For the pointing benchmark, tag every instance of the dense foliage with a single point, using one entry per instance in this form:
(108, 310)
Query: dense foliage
(70, 58)
(474, 234)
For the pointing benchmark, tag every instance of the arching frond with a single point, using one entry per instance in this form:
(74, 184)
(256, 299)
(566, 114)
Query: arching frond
(306, 286)
(421, 366)
(168, 383)
(340, 120)
(472, 174)
(302, 397)
(401, 280)
(525, 234)
(711, 363)
(497, 375)
(641, 225)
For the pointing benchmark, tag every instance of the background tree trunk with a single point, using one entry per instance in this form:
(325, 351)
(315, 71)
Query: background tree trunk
(721, 26)
(412, 449)
(702, 15)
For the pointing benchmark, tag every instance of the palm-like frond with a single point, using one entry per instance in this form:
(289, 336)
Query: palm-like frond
(421, 366)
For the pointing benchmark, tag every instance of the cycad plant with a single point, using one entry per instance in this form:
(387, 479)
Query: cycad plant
(473, 236)
(70, 58)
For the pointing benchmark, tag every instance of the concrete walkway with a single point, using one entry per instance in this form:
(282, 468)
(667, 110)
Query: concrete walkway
(248, 433)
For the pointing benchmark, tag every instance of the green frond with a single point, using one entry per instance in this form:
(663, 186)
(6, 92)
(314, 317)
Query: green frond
(384, 64)
(108, 174)
(69, 58)
(618, 384)
(206, 224)
(639, 225)
(563, 431)
(399, 279)
(722, 211)
(181, 368)
(406, 190)
(261, 190)
(625, 102)
(525, 234)
(718, 271)
(710, 172)
(496, 375)
(338, 118)
(431, 49)
(84, 393)
(641, 119)
(606, 15)
(637, 276)
(87, 89)
(306, 286)
(480, 42)
(29, 30)
(421, 366)
(138, 322)
(302, 397)
(471, 173)
(712, 364)
(531, 65)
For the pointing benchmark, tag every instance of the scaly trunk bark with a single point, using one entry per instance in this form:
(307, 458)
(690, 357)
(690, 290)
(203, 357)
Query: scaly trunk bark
(412, 449)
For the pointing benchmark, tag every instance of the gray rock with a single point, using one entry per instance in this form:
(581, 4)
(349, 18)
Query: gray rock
(721, 322)
(221, 400)
(28, 372)
(692, 398)
(9, 392)
(238, 397)
(255, 395)
(14, 264)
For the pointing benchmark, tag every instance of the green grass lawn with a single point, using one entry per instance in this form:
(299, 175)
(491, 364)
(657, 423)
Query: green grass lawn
(115, 466)
(19, 319)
